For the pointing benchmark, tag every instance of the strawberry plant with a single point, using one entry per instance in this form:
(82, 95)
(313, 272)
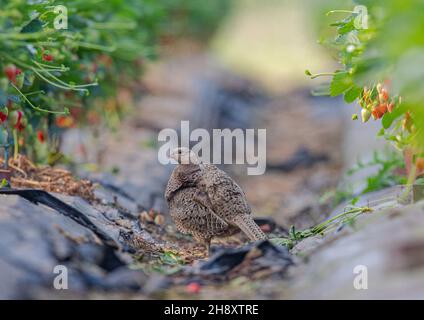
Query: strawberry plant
(380, 48)
(52, 76)
(62, 64)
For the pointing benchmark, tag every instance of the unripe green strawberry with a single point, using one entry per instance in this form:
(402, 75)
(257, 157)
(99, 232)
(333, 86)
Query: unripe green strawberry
(365, 115)
(20, 80)
(13, 117)
(4, 84)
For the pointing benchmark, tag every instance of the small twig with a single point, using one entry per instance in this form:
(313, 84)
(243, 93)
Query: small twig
(18, 169)
(29, 182)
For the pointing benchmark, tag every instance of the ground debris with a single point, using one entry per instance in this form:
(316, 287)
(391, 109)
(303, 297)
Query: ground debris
(42, 197)
(254, 260)
(25, 174)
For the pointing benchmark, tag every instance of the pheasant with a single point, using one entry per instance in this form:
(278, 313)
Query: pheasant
(204, 201)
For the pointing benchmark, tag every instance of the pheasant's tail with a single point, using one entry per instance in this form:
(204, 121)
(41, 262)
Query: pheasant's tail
(249, 227)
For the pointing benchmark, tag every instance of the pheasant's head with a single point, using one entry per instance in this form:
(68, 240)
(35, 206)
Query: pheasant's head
(184, 156)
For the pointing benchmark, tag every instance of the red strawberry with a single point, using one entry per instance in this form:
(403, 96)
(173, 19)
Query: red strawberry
(193, 287)
(265, 228)
(3, 117)
(65, 122)
(409, 162)
(47, 57)
(40, 136)
(10, 72)
(18, 125)
(379, 111)
(384, 95)
(61, 121)
(377, 114)
(383, 108)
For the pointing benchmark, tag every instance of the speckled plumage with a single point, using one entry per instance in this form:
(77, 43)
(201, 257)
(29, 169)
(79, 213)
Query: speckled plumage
(205, 202)
(193, 218)
(190, 216)
(227, 199)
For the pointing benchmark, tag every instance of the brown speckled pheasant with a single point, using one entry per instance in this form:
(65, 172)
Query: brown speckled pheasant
(206, 202)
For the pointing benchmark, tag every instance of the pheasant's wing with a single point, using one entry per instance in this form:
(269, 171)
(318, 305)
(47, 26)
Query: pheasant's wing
(204, 219)
(202, 198)
(173, 186)
(229, 202)
(224, 193)
(192, 215)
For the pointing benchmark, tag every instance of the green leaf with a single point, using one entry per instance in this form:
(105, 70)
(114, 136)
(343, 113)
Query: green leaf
(292, 232)
(33, 26)
(347, 27)
(352, 94)
(388, 117)
(342, 81)
(354, 201)
(4, 183)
